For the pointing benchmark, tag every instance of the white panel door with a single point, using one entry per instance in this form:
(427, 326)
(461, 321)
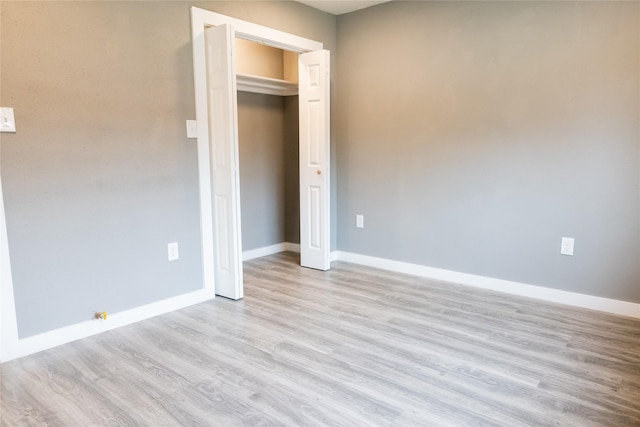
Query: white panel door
(314, 159)
(223, 143)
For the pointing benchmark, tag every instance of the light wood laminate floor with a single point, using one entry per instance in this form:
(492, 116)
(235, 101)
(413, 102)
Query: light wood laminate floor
(353, 346)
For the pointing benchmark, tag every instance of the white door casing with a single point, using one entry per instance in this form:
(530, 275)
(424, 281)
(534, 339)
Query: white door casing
(314, 83)
(201, 20)
(223, 137)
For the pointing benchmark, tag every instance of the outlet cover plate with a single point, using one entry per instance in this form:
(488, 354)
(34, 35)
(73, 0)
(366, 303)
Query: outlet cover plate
(566, 246)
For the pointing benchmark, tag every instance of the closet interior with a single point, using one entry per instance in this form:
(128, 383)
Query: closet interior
(267, 85)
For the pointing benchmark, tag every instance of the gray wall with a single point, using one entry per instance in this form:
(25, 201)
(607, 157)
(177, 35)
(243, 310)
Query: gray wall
(292, 174)
(100, 177)
(269, 169)
(261, 140)
(473, 135)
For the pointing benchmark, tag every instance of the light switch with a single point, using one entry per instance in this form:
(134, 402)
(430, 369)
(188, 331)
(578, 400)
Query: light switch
(7, 121)
(192, 129)
(172, 251)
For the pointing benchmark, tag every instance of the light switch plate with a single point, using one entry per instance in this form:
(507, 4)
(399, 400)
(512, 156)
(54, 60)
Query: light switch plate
(192, 129)
(7, 121)
(173, 253)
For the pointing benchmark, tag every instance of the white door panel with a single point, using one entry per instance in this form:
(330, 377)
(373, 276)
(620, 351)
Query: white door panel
(314, 159)
(223, 139)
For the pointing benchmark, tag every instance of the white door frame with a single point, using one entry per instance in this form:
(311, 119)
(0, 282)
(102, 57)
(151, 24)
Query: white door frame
(201, 19)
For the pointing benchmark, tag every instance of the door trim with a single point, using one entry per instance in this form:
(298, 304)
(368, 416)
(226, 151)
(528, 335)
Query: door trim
(201, 19)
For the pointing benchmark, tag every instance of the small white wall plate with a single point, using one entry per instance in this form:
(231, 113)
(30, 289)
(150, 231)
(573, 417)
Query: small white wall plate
(7, 121)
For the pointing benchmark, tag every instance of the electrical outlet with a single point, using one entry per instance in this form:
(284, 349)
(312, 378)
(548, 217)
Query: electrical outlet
(172, 251)
(566, 246)
(359, 221)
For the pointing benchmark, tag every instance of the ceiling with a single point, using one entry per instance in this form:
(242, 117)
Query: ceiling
(338, 7)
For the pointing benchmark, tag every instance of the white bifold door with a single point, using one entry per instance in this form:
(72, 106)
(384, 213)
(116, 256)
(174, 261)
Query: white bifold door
(313, 99)
(224, 161)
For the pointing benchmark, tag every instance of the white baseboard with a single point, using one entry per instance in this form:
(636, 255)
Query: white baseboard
(12, 347)
(623, 308)
(270, 250)
(46, 340)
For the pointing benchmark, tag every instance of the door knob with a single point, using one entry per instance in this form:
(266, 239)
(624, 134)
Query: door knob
(319, 172)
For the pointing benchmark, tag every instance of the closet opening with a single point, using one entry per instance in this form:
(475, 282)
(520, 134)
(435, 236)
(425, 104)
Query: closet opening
(217, 84)
(267, 101)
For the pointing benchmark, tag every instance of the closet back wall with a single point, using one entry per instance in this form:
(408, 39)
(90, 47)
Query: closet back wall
(268, 143)
(262, 169)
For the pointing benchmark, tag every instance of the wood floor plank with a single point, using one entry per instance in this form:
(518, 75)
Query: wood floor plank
(353, 346)
(276, 374)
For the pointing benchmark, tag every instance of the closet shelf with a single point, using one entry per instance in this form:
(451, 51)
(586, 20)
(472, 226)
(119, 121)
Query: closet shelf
(265, 85)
